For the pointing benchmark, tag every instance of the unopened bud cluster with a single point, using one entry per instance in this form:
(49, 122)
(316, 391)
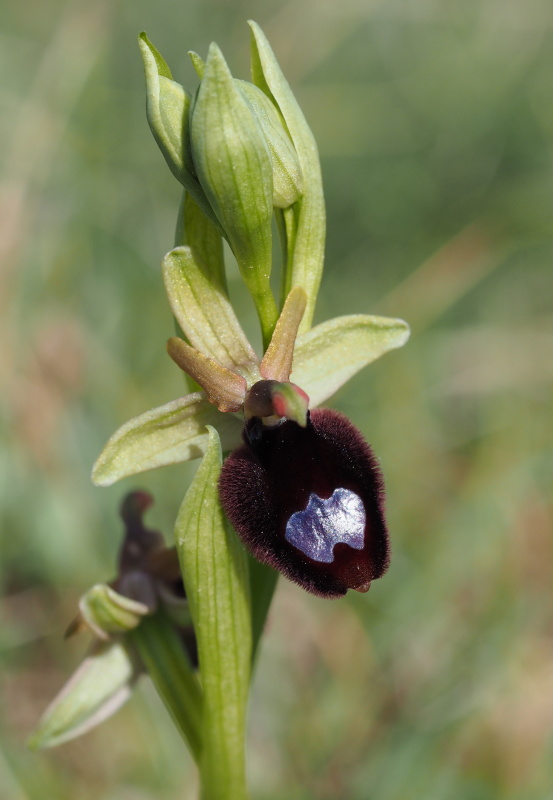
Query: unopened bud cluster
(230, 148)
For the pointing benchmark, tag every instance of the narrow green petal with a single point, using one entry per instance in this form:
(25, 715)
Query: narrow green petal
(277, 361)
(327, 356)
(306, 219)
(205, 314)
(224, 388)
(215, 574)
(165, 435)
(98, 688)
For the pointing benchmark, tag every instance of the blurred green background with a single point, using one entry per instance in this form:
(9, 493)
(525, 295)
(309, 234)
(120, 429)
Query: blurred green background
(435, 125)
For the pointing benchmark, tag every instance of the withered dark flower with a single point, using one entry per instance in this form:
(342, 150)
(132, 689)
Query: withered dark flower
(148, 583)
(308, 501)
(148, 576)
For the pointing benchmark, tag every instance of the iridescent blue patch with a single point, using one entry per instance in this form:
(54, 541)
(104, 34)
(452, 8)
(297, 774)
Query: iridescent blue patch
(324, 523)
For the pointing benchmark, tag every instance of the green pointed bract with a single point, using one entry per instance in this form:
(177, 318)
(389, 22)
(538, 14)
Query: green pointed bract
(234, 166)
(305, 221)
(214, 567)
(164, 435)
(98, 688)
(106, 612)
(205, 314)
(287, 177)
(168, 112)
(327, 356)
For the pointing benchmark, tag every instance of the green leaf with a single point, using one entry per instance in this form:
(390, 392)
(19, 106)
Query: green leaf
(327, 356)
(287, 177)
(168, 112)
(205, 314)
(99, 687)
(233, 165)
(168, 434)
(106, 612)
(305, 221)
(214, 567)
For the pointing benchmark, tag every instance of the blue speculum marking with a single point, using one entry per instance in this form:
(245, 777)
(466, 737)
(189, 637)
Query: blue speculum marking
(324, 523)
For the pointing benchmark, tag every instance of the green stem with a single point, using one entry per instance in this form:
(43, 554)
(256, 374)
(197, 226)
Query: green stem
(180, 235)
(288, 241)
(214, 568)
(163, 654)
(268, 315)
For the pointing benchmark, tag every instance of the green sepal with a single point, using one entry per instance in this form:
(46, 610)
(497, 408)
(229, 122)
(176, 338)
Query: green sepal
(99, 687)
(205, 314)
(107, 613)
(327, 356)
(214, 567)
(164, 435)
(233, 164)
(305, 221)
(287, 177)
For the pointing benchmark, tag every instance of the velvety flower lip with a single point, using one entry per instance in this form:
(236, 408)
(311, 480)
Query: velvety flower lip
(328, 475)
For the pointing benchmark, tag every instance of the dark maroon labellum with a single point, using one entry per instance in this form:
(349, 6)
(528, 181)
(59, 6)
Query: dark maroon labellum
(309, 502)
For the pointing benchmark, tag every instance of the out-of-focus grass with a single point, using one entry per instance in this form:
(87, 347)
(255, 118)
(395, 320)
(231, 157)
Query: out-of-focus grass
(435, 128)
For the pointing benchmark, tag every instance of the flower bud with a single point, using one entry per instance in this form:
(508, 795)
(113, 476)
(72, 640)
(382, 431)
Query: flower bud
(309, 502)
(233, 164)
(168, 113)
(287, 177)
